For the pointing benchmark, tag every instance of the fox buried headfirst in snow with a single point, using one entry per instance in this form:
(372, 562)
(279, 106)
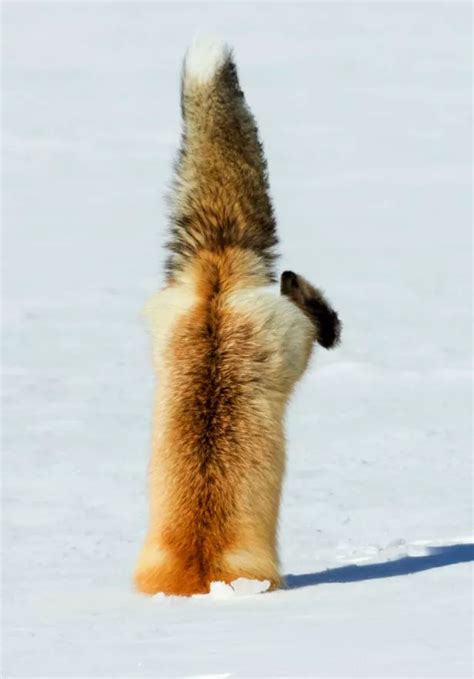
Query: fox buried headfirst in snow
(227, 351)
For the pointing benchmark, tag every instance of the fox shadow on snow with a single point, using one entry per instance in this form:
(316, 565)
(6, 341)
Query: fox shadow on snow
(438, 557)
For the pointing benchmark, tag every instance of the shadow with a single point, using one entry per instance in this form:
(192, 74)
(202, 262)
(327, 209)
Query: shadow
(437, 558)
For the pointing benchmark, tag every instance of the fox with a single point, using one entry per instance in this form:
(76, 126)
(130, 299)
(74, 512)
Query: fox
(227, 351)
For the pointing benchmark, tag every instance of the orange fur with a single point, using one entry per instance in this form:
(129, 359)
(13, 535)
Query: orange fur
(227, 353)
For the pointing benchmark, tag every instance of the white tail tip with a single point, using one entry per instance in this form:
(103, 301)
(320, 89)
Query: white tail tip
(204, 58)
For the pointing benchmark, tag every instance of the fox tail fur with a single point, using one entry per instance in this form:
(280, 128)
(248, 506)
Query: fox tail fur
(220, 193)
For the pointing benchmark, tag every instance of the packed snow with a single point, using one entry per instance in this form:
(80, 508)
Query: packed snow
(365, 114)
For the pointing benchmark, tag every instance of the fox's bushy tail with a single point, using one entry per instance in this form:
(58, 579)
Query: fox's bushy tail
(220, 194)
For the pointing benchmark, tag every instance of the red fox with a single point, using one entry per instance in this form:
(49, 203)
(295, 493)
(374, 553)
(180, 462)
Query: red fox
(227, 350)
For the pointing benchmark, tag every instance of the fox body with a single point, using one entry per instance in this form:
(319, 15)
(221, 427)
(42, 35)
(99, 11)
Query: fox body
(227, 351)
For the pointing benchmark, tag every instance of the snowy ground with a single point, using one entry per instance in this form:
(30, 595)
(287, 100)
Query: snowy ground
(365, 114)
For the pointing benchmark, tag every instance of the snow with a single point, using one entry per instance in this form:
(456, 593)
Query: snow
(365, 113)
(239, 587)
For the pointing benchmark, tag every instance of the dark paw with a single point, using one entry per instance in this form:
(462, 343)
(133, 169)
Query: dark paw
(327, 321)
(288, 282)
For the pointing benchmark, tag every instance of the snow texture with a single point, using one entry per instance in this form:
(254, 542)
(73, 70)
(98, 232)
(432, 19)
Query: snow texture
(365, 114)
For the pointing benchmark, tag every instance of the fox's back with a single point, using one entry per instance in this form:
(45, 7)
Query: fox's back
(227, 358)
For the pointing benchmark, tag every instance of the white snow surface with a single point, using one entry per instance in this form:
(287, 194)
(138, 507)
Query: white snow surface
(364, 111)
